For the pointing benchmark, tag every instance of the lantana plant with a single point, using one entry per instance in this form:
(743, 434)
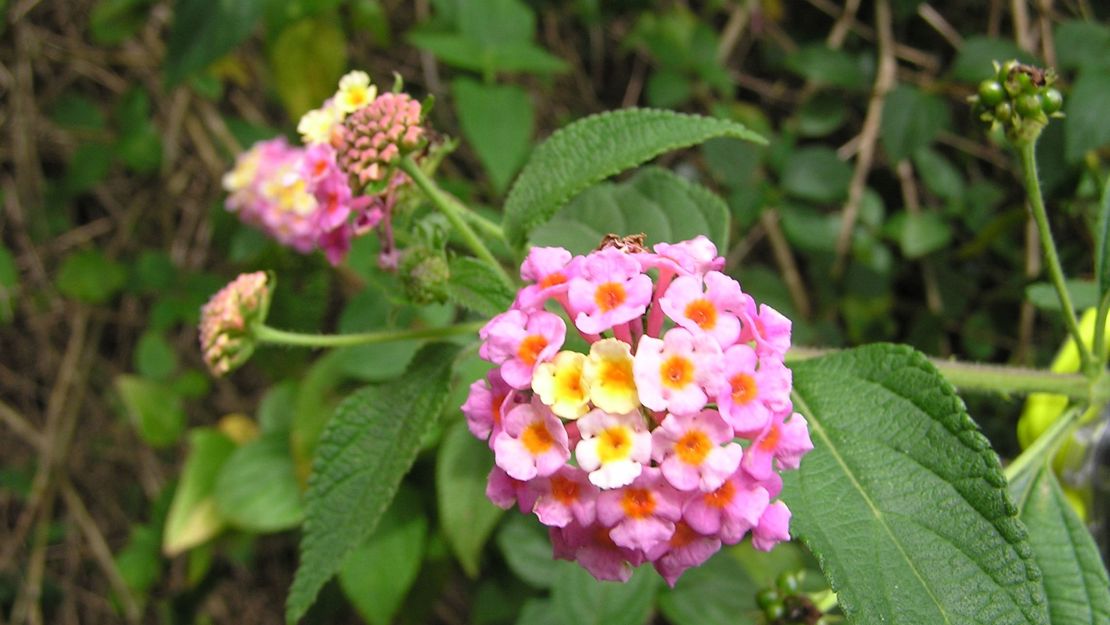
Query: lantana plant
(642, 405)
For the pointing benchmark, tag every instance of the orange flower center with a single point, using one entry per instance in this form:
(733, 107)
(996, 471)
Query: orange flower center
(564, 490)
(552, 279)
(683, 535)
(614, 443)
(638, 503)
(618, 374)
(771, 441)
(609, 295)
(722, 496)
(693, 447)
(530, 348)
(536, 438)
(702, 312)
(744, 389)
(676, 372)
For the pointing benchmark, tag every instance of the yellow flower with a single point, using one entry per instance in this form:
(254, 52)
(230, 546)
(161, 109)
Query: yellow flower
(560, 385)
(355, 92)
(608, 375)
(316, 125)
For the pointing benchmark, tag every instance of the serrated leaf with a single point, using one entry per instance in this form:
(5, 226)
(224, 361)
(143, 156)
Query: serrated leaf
(719, 592)
(655, 201)
(498, 121)
(1075, 579)
(911, 120)
(153, 408)
(204, 30)
(193, 519)
(596, 147)
(902, 500)
(377, 574)
(367, 447)
(466, 516)
(475, 285)
(580, 599)
(1102, 242)
(257, 488)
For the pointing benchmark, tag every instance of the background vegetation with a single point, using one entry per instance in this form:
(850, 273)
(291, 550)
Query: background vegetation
(121, 116)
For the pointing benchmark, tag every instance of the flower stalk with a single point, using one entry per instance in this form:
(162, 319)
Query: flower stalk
(267, 334)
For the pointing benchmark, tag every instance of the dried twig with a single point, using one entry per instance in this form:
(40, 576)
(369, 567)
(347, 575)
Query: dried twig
(941, 25)
(769, 219)
(19, 424)
(869, 134)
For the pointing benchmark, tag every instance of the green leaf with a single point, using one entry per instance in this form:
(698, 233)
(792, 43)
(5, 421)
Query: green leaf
(466, 516)
(1102, 243)
(155, 357)
(823, 66)
(1074, 576)
(496, 22)
(153, 408)
(87, 168)
(939, 175)
(364, 451)
(193, 519)
(1084, 294)
(596, 147)
(911, 120)
(526, 548)
(973, 61)
(1088, 44)
(475, 285)
(378, 574)
(816, 174)
(582, 600)
(902, 499)
(538, 612)
(655, 201)
(114, 21)
(257, 488)
(718, 592)
(90, 277)
(498, 121)
(139, 564)
(205, 30)
(9, 282)
(75, 111)
(307, 59)
(465, 53)
(1085, 125)
(822, 114)
(920, 234)
(668, 88)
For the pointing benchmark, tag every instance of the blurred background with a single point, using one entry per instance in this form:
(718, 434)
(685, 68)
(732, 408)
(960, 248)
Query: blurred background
(136, 488)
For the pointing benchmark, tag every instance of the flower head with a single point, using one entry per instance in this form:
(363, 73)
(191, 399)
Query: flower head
(227, 321)
(375, 137)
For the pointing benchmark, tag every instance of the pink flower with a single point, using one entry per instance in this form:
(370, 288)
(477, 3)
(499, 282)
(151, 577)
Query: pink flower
(674, 373)
(642, 514)
(484, 405)
(783, 440)
(694, 257)
(504, 491)
(685, 549)
(731, 510)
(593, 548)
(769, 329)
(773, 527)
(690, 452)
(550, 269)
(533, 442)
(518, 341)
(610, 290)
(750, 395)
(565, 496)
(614, 447)
(711, 311)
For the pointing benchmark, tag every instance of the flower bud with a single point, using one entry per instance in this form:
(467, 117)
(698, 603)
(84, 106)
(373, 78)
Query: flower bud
(376, 136)
(227, 321)
(424, 273)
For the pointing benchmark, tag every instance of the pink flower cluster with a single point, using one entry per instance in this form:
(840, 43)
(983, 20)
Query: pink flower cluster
(663, 441)
(226, 338)
(299, 196)
(312, 197)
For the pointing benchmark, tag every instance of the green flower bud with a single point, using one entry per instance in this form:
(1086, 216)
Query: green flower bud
(424, 274)
(1003, 112)
(991, 93)
(767, 597)
(1028, 105)
(787, 582)
(1051, 101)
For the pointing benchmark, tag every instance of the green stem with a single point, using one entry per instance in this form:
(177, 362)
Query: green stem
(1100, 332)
(991, 378)
(1046, 444)
(450, 207)
(488, 227)
(1027, 150)
(266, 334)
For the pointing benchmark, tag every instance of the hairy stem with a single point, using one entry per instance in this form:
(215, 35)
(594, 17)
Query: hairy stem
(266, 334)
(454, 211)
(1027, 149)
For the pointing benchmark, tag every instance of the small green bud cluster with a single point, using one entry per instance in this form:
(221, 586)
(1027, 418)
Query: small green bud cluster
(1020, 98)
(784, 604)
(424, 273)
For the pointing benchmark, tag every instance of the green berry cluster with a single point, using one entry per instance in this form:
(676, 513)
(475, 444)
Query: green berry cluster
(784, 604)
(1020, 98)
